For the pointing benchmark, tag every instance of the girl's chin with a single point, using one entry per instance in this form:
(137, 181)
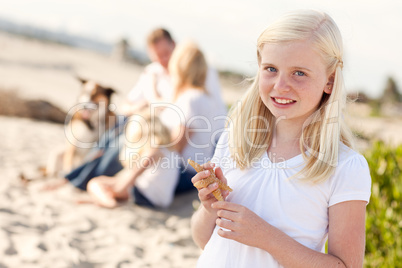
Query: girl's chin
(279, 114)
(282, 117)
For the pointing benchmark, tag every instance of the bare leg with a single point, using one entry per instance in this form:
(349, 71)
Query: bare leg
(54, 185)
(101, 191)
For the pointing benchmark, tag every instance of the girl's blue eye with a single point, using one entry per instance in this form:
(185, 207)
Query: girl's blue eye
(271, 69)
(299, 73)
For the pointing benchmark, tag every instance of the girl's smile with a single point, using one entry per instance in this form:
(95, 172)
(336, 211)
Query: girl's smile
(282, 101)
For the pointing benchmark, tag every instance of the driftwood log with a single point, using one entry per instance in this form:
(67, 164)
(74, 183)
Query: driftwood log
(13, 105)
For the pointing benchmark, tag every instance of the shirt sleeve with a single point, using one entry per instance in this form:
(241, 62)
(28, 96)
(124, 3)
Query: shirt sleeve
(136, 94)
(182, 110)
(351, 181)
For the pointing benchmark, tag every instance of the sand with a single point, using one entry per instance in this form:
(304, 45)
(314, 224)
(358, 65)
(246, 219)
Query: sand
(48, 229)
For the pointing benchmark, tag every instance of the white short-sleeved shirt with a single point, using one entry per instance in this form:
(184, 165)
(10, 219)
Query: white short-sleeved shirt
(153, 75)
(158, 182)
(298, 208)
(200, 113)
(154, 71)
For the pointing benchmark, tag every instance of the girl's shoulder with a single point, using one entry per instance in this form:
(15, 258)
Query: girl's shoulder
(348, 157)
(351, 180)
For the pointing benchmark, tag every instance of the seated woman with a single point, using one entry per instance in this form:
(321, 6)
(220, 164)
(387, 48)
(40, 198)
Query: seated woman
(149, 175)
(195, 118)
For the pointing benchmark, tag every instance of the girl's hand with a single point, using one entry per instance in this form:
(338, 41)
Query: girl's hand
(205, 195)
(242, 224)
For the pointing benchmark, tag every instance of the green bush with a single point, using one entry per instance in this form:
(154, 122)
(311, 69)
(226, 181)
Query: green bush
(384, 213)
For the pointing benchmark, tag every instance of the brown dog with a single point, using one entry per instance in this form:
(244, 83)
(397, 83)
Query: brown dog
(96, 101)
(87, 122)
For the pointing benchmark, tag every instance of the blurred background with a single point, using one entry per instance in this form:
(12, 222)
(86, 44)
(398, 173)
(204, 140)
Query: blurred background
(226, 30)
(45, 45)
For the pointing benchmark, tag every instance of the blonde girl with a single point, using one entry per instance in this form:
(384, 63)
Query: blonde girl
(288, 157)
(150, 173)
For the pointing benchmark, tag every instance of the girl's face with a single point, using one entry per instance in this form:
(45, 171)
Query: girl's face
(293, 78)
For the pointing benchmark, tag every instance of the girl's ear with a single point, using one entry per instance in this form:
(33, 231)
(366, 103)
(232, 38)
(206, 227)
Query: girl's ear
(330, 84)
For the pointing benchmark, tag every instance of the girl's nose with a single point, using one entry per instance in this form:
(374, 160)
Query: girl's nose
(282, 83)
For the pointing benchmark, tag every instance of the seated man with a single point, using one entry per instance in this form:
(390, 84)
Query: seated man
(154, 84)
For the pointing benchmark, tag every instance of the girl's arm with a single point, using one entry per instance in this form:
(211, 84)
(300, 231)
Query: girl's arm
(203, 220)
(346, 236)
(179, 138)
(137, 168)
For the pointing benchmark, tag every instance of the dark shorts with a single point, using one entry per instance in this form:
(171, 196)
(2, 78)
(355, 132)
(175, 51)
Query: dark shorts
(140, 199)
(185, 185)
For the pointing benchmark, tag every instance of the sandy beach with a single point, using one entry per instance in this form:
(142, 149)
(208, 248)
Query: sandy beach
(49, 229)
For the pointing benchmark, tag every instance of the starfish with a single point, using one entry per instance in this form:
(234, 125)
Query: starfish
(209, 180)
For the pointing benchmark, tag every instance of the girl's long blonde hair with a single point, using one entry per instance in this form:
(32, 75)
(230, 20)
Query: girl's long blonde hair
(325, 129)
(143, 132)
(188, 68)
